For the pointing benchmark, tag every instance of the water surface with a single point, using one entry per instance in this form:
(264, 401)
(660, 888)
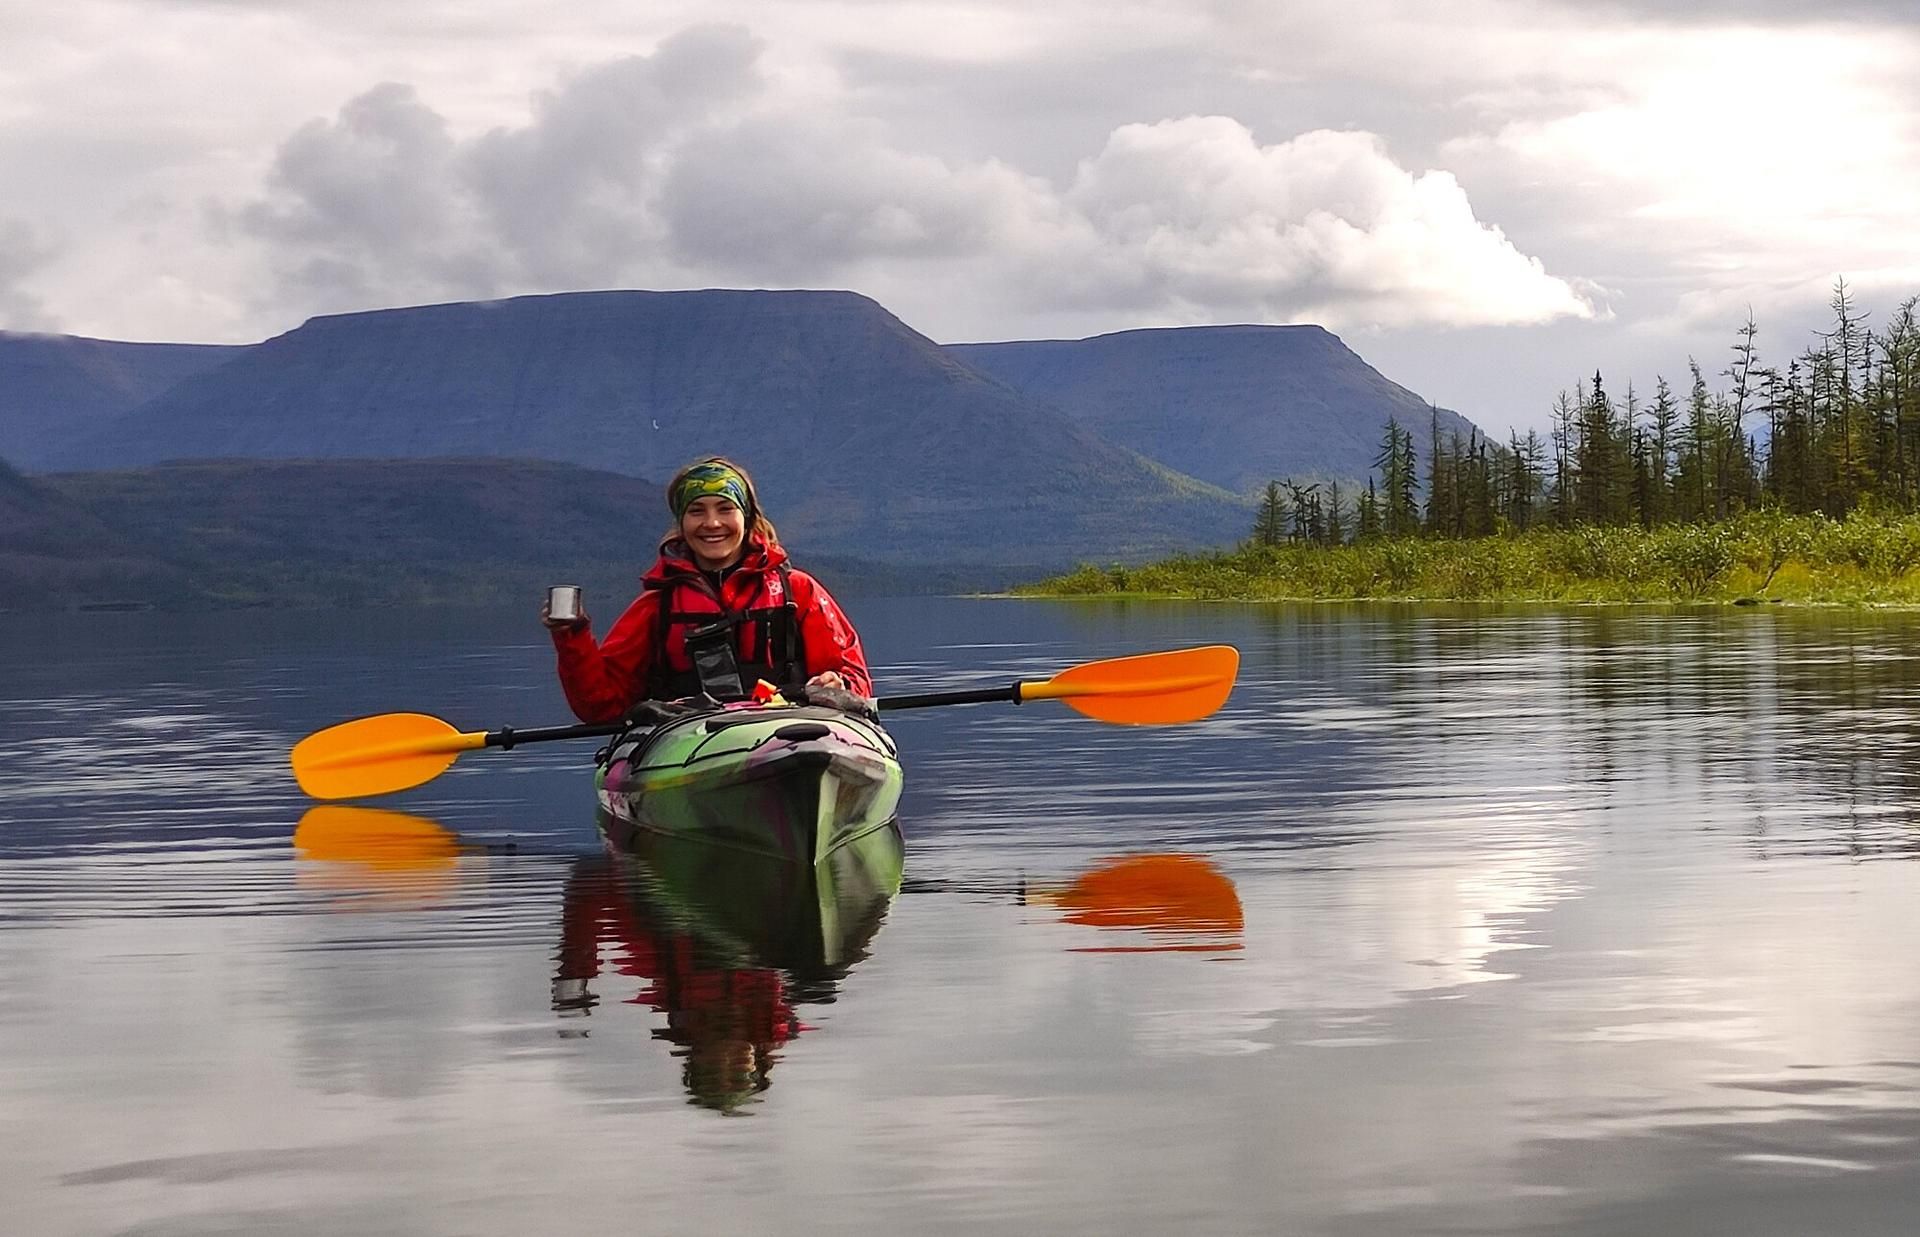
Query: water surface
(1582, 921)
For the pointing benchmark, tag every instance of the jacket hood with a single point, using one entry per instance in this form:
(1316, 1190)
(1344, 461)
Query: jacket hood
(676, 560)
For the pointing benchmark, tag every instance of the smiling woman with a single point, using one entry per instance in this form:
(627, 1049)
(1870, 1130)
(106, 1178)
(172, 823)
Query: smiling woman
(720, 611)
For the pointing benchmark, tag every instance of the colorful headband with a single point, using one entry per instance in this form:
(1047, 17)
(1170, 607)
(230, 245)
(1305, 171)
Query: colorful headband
(710, 481)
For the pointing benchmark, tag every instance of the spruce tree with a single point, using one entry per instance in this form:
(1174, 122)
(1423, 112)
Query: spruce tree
(1367, 523)
(1270, 523)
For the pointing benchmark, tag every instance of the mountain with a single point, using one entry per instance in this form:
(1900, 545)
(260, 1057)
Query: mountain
(54, 389)
(54, 553)
(1234, 405)
(867, 438)
(353, 531)
(358, 532)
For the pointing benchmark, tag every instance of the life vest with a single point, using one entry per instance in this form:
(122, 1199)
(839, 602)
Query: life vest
(701, 645)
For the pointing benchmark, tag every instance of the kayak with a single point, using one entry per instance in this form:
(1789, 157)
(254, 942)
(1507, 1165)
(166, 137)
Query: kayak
(796, 783)
(774, 824)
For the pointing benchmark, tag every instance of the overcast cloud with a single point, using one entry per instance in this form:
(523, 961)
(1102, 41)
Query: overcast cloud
(20, 253)
(1487, 198)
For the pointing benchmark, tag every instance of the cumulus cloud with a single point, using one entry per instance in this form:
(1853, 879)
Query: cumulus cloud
(1196, 211)
(686, 166)
(383, 203)
(1746, 167)
(798, 197)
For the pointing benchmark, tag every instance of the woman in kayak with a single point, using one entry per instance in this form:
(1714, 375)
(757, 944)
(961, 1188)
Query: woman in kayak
(718, 613)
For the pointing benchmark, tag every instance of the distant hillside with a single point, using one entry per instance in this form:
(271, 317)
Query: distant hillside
(55, 553)
(55, 389)
(865, 435)
(362, 532)
(1234, 405)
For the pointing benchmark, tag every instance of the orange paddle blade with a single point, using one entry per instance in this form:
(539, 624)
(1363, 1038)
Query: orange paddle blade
(378, 755)
(1150, 689)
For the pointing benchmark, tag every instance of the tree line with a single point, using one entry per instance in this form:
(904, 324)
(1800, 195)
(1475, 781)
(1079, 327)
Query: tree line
(1837, 429)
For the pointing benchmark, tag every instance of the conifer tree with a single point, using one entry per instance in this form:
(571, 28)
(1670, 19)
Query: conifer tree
(1367, 522)
(1398, 511)
(1336, 515)
(1598, 475)
(1560, 438)
(1699, 488)
(1664, 415)
(1305, 502)
(1270, 523)
(1440, 482)
(1525, 478)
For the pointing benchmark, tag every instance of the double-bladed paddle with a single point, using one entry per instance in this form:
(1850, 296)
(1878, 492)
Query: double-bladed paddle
(396, 751)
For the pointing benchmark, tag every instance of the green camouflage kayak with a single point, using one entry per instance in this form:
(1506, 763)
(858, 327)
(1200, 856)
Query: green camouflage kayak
(789, 811)
(794, 783)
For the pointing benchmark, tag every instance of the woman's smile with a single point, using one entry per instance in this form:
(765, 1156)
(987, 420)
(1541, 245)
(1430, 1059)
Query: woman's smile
(714, 529)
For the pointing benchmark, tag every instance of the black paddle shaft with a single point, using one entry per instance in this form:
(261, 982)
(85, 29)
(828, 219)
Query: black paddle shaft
(985, 695)
(506, 738)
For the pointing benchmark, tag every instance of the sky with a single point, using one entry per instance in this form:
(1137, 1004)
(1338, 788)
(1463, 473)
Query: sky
(1487, 199)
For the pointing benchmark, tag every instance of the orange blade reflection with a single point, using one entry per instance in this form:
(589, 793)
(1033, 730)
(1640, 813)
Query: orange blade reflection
(387, 858)
(1183, 903)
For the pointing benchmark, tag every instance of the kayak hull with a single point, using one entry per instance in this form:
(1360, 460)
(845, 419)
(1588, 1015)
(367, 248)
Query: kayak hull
(775, 827)
(795, 784)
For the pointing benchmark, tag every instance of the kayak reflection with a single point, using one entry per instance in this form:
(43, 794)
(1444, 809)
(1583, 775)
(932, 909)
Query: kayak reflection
(729, 943)
(1172, 903)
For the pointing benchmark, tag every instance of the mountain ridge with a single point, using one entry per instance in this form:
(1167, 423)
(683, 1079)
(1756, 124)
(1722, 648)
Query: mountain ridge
(860, 430)
(1236, 406)
(873, 445)
(57, 386)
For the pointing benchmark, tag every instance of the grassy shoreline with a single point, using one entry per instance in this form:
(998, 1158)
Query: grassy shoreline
(1770, 556)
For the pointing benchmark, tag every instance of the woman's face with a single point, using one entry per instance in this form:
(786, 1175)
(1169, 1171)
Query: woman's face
(714, 529)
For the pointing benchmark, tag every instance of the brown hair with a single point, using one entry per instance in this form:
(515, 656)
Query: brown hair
(757, 521)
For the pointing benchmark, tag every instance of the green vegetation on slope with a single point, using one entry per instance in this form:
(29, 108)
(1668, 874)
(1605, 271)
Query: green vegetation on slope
(1862, 559)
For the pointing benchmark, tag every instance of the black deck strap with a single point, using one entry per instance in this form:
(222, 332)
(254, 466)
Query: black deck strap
(647, 721)
(796, 661)
(726, 719)
(648, 714)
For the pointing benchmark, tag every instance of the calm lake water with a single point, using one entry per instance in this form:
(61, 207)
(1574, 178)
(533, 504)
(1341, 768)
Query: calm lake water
(1489, 921)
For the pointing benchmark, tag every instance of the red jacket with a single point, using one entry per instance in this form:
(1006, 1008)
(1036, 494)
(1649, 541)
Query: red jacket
(604, 680)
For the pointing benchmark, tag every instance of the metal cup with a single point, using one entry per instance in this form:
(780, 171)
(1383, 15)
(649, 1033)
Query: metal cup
(563, 602)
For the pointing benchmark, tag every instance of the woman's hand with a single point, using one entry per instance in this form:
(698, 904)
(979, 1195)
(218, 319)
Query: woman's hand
(554, 624)
(828, 678)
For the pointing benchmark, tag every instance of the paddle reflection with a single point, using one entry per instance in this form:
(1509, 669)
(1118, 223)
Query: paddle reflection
(1168, 903)
(376, 859)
